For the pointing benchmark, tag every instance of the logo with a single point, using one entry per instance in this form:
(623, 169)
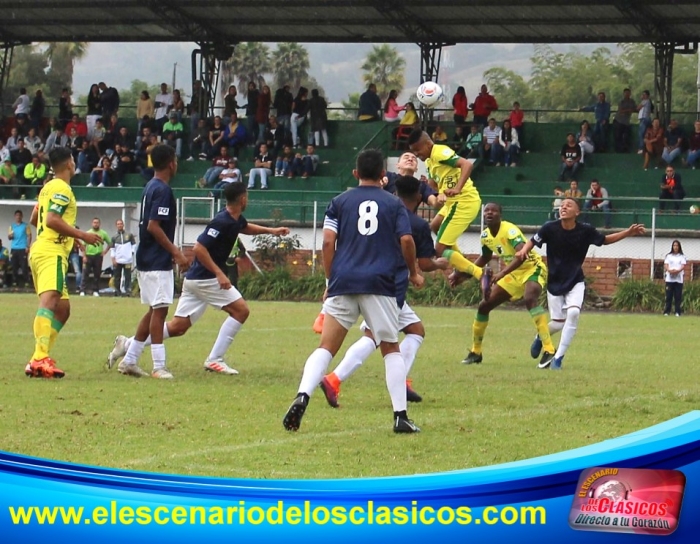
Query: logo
(163, 211)
(628, 500)
(213, 233)
(537, 238)
(60, 198)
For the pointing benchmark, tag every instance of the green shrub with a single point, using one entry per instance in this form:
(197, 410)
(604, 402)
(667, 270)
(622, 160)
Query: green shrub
(638, 295)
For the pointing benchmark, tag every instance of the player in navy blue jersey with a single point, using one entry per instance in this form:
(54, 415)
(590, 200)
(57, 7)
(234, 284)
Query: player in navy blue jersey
(366, 235)
(408, 190)
(567, 243)
(206, 282)
(155, 255)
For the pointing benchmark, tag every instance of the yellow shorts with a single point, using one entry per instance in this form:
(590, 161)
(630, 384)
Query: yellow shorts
(49, 273)
(514, 283)
(457, 216)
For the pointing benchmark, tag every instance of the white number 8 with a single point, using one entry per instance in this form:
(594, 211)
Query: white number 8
(367, 224)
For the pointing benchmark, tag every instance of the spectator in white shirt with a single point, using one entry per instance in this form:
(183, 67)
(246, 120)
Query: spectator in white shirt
(492, 147)
(21, 105)
(122, 253)
(231, 174)
(12, 140)
(508, 140)
(33, 143)
(674, 263)
(163, 104)
(4, 152)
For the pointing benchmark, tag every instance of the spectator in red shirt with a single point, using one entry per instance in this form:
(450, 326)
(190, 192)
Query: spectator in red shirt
(671, 189)
(516, 121)
(211, 176)
(80, 127)
(459, 103)
(483, 106)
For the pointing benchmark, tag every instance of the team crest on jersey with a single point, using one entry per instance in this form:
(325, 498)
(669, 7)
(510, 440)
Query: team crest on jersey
(485, 234)
(213, 233)
(537, 238)
(447, 153)
(163, 211)
(513, 232)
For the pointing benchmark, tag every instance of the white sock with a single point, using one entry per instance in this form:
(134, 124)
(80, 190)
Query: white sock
(147, 341)
(314, 369)
(567, 334)
(396, 380)
(133, 352)
(555, 326)
(357, 354)
(158, 356)
(409, 348)
(229, 329)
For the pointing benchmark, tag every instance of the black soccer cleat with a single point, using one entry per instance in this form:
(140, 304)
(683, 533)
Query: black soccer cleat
(404, 425)
(473, 358)
(536, 347)
(292, 419)
(411, 395)
(546, 360)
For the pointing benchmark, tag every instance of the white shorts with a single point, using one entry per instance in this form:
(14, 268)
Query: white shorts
(406, 317)
(157, 287)
(381, 313)
(559, 304)
(198, 294)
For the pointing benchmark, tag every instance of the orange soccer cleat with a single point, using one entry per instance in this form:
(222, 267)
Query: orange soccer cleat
(330, 385)
(43, 368)
(318, 323)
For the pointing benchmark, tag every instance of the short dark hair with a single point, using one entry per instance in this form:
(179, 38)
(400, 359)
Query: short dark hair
(234, 191)
(18, 212)
(500, 208)
(370, 163)
(578, 204)
(161, 156)
(415, 135)
(59, 156)
(407, 186)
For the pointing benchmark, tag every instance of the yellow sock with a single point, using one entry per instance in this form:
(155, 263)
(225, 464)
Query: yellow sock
(42, 333)
(478, 331)
(539, 316)
(56, 327)
(461, 263)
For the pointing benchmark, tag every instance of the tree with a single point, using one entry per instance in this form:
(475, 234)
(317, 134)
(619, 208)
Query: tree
(350, 106)
(250, 62)
(385, 68)
(129, 97)
(62, 58)
(29, 65)
(507, 86)
(290, 65)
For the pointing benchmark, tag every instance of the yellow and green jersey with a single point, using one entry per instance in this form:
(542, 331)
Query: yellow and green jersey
(443, 170)
(55, 197)
(503, 244)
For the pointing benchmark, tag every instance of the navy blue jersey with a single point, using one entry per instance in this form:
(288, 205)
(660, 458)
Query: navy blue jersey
(369, 223)
(566, 252)
(219, 237)
(426, 191)
(420, 229)
(157, 204)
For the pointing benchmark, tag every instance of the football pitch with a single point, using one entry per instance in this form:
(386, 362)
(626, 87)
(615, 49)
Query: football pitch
(623, 372)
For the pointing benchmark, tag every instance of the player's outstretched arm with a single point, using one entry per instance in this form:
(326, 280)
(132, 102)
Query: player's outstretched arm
(430, 264)
(633, 230)
(254, 230)
(514, 264)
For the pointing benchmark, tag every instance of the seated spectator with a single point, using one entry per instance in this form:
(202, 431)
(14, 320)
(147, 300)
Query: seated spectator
(12, 141)
(516, 119)
(8, 176)
(172, 133)
(491, 145)
(146, 123)
(231, 174)
(671, 189)
(87, 158)
(305, 165)
(112, 131)
(124, 139)
(142, 143)
(570, 158)
(275, 136)
(391, 107)
(122, 163)
(4, 152)
(235, 135)
(585, 140)
(370, 105)
(694, 147)
(98, 136)
(459, 138)
(75, 143)
(79, 126)
(101, 174)
(21, 156)
(56, 139)
(439, 135)
(22, 127)
(199, 141)
(406, 125)
(597, 200)
(211, 176)
(32, 142)
(35, 173)
(556, 203)
(653, 143)
(573, 191)
(673, 142)
(508, 140)
(263, 166)
(472, 147)
(284, 162)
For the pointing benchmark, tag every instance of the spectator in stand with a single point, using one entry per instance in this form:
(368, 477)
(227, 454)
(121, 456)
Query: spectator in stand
(251, 110)
(12, 141)
(585, 140)
(570, 158)
(144, 107)
(439, 135)
(483, 106)
(36, 111)
(263, 166)
(283, 108)
(694, 146)
(75, 143)
(112, 129)
(262, 113)
(78, 125)
(22, 126)
(142, 143)
(32, 142)
(491, 143)
(4, 264)
(622, 122)
(123, 138)
(458, 138)
(211, 176)
(597, 200)
(674, 266)
(644, 110)
(284, 162)
(8, 176)
(20, 235)
(57, 138)
(87, 158)
(21, 104)
(101, 175)
(122, 253)
(122, 163)
(573, 191)
(4, 152)
(508, 140)
(109, 98)
(216, 136)
(300, 108)
(516, 118)
(406, 125)
(274, 136)
(199, 141)
(653, 143)
(173, 132)
(230, 103)
(556, 203)
(65, 107)
(199, 104)
(318, 118)
(472, 147)
(305, 165)
(673, 142)
(94, 109)
(35, 174)
(21, 156)
(392, 108)
(98, 136)
(235, 135)
(370, 105)
(178, 106)
(94, 255)
(460, 107)
(163, 104)
(231, 174)
(671, 189)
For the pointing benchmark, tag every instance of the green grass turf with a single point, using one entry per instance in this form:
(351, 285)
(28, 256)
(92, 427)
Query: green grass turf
(623, 373)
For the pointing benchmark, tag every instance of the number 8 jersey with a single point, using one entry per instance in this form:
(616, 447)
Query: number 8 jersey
(369, 223)
(443, 170)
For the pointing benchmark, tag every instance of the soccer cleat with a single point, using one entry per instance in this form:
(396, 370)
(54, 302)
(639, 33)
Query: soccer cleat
(411, 395)
(43, 368)
(536, 347)
(162, 374)
(546, 360)
(331, 391)
(118, 350)
(132, 370)
(472, 358)
(485, 282)
(318, 323)
(292, 419)
(219, 366)
(556, 363)
(403, 425)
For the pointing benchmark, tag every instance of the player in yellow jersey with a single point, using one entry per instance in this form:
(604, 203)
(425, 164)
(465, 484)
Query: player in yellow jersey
(456, 192)
(519, 279)
(54, 217)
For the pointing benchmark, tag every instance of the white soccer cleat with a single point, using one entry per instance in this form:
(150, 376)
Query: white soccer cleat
(132, 370)
(220, 366)
(118, 350)
(162, 374)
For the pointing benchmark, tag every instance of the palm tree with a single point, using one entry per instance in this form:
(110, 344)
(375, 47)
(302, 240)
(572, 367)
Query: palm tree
(250, 62)
(62, 58)
(290, 65)
(385, 68)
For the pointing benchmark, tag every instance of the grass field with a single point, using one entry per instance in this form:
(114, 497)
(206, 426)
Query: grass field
(623, 373)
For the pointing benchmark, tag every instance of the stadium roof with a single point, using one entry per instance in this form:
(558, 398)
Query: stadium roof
(352, 21)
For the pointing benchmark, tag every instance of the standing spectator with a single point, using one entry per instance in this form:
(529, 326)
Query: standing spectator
(32, 142)
(36, 112)
(234, 135)
(109, 98)
(230, 102)
(144, 107)
(21, 125)
(122, 253)
(94, 109)
(597, 200)
(80, 127)
(369, 106)
(263, 166)
(8, 176)
(163, 104)
(57, 138)
(391, 107)
(694, 146)
(644, 110)
(671, 189)
(517, 117)
(570, 158)
(178, 105)
(573, 191)
(492, 133)
(674, 265)
(621, 122)
(508, 140)
(305, 165)
(262, 113)
(76, 260)
(585, 140)
(319, 118)
(172, 133)
(483, 106)
(20, 235)
(199, 104)
(92, 261)
(21, 104)
(231, 174)
(216, 136)
(460, 106)
(65, 107)
(283, 108)
(300, 108)
(472, 147)
(199, 141)
(101, 174)
(251, 110)
(556, 203)
(220, 162)
(601, 110)
(673, 142)
(653, 143)
(35, 173)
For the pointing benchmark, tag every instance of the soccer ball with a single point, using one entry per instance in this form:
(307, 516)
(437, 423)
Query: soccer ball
(429, 93)
(694, 209)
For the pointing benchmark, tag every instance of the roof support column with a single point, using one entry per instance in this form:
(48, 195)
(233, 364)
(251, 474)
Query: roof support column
(6, 54)
(206, 64)
(430, 57)
(663, 74)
